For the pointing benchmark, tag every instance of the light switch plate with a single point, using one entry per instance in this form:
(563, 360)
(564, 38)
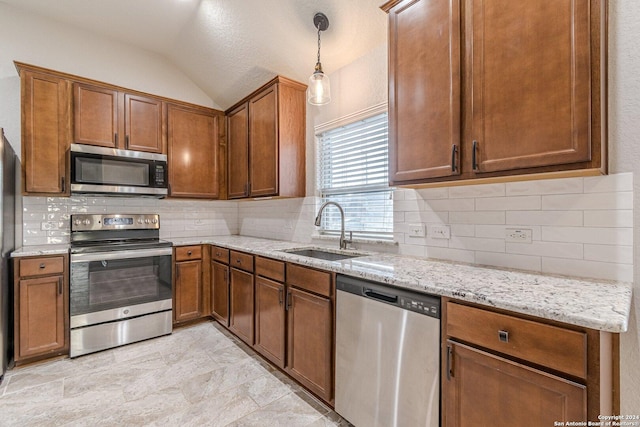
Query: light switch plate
(440, 232)
(416, 230)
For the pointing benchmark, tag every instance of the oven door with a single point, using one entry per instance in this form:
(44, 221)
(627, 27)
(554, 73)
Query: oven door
(107, 286)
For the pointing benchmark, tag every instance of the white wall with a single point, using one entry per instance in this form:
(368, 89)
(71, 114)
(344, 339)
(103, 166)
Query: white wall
(624, 139)
(29, 38)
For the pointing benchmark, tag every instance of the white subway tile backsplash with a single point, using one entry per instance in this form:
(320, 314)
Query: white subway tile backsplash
(475, 191)
(450, 205)
(545, 186)
(519, 262)
(463, 230)
(550, 249)
(487, 217)
(451, 254)
(593, 201)
(433, 193)
(609, 253)
(594, 235)
(567, 218)
(517, 203)
(580, 226)
(477, 244)
(608, 218)
(609, 183)
(588, 268)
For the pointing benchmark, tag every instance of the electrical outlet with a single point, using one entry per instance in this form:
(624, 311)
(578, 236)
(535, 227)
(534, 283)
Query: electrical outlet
(440, 232)
(416, 230)
(518, 235)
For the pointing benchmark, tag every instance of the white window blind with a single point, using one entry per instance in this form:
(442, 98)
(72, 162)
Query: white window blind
(353, 171)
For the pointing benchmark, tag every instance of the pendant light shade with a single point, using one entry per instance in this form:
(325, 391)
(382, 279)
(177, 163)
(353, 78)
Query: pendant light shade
(319, 90)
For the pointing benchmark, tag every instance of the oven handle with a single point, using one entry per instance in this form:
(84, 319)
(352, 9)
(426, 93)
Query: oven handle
(103, 256)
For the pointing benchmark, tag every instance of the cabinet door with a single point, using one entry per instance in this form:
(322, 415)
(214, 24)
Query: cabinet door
(310, 341)
(143, 124)
(193, 153)
(238, 152)
(95, 115)
(220, 292)
(263, 143)
(530, 82)
(270, 320)
(188, 291)
(45, 133)
(424, 90)
(41, 316)
(241, 316)
(486, 390)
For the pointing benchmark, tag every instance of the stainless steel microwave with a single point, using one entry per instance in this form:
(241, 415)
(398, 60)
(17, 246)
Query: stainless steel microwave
(111, 172)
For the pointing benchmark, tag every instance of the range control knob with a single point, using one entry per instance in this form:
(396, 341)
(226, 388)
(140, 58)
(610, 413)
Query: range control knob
(86, 222)
(77, 222)
(154, 220)
(140, 221)
(146, 221)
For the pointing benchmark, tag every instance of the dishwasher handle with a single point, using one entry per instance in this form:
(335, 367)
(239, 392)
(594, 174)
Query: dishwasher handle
(370, 293)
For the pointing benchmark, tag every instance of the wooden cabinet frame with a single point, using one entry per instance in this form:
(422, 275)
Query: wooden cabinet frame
(47, 279)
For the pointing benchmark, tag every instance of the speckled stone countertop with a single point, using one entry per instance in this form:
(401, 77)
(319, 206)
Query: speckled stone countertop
(40, 250)
(593, 304)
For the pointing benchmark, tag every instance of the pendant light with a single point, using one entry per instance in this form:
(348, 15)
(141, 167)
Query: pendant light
(319, 91)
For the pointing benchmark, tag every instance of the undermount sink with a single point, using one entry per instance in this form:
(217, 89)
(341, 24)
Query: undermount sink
(325, 254)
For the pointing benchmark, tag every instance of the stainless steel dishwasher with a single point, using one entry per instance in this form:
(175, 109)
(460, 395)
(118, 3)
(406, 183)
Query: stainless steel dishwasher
(387, 355)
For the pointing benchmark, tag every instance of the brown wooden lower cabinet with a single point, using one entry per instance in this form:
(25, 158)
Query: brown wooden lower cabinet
(482, 389)
(220, 292)
(188, 289)
(310, 341)
(270, 320)
(41, 307)
(241, 302)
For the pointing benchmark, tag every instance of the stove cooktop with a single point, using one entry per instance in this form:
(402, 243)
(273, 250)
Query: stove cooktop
(117, 245)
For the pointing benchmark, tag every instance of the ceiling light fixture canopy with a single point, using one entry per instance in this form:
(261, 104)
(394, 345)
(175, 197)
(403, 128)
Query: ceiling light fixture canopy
(319, 91)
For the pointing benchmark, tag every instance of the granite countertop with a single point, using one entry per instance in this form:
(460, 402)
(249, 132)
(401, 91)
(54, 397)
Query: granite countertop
(593, 304)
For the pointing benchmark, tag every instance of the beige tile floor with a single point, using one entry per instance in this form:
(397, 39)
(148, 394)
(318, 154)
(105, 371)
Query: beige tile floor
(198, 376)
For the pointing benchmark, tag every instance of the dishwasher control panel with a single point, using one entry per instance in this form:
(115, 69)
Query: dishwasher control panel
(431, 308)
(425, 304)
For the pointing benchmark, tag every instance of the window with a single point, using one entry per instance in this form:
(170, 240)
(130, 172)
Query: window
(353, 171)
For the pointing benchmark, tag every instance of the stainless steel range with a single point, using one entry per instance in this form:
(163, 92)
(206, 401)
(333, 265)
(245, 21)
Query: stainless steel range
(121, 290)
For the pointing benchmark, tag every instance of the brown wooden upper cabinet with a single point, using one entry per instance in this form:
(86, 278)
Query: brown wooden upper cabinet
(266, 142)
(45, 132)
(491, 88)
(193, 152)
(107, 117)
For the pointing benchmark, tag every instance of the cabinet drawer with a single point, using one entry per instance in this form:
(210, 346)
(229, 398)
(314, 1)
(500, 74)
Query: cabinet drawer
(186, 253)
(220, 254)
(241, 261)
(546, 345)
(311, 280)
(41, 266)
(270, 269)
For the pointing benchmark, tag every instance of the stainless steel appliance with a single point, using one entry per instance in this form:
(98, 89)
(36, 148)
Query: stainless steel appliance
(7, 244)
(120, 287)
(107, 171)
(387, 355)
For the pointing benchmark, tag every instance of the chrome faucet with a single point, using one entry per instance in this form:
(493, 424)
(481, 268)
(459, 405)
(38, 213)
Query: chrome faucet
(343, 241)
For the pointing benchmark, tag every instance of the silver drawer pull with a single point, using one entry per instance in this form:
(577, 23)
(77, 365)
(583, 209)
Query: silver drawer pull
(503, 336)
(189, 253)
(42, 265)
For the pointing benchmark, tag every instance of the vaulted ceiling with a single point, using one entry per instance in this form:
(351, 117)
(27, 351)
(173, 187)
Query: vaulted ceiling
(230, 47)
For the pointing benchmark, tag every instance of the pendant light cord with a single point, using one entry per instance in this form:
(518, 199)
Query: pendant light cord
(318, 43)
